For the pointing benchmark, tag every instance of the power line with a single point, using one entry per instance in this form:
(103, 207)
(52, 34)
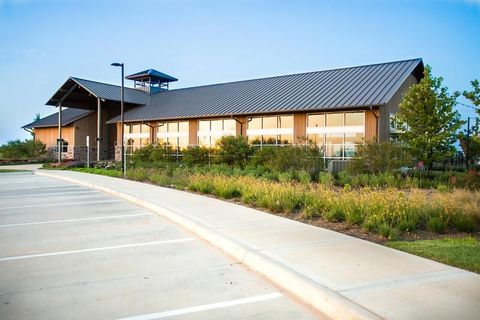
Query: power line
(468, 106)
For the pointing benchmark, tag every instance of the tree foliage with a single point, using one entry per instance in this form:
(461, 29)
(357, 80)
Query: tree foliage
(17, 149)
(379, 158)
(233, 150)
(428, 119)
(471, 145)
(474, 95)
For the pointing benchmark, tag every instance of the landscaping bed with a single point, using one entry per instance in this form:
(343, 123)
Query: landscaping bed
(411, 220)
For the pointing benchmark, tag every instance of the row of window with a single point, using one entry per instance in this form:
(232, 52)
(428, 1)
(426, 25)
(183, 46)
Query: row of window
(337, 133)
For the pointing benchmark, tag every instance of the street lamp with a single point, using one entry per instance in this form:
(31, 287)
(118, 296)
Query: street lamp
(124, 162)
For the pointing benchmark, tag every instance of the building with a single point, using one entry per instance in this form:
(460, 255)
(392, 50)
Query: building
(337, 109)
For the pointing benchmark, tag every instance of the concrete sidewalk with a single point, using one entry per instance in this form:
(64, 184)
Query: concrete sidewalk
(341, 276)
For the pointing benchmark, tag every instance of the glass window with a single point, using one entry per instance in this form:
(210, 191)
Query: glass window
(334, 119)
(216, 125)
(204, 125)
(354, 138)
(269, 123)
(136, 128)
(210, 131)
(354, 118)
(268, 126)
(285, 139)
(317, 139)
(334, 145)
(172, 126)
(255, 123)
(230, 125)
(269, 139)
(255, 140)
(183, 126)
(316, 120)
(285, 122)
(204, 141)
(173, 134)
(162, 127)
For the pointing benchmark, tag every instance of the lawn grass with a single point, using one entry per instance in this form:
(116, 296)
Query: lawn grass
(105, 172)
(458, 252)
(11, 170)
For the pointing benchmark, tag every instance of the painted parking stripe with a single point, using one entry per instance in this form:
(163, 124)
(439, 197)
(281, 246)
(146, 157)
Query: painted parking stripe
(59, 204)
(47, 194)
(74, 220)
(60, 253)
(205, 307)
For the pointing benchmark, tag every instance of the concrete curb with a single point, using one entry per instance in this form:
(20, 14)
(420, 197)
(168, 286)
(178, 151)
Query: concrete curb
(323, 299)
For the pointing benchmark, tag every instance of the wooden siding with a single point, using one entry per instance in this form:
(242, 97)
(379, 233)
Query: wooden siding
(119, 134)
(371, 125)
(393, 107)
(48, 136)
(241, 129)
(299, 127)
(84, 127)
(192, 132)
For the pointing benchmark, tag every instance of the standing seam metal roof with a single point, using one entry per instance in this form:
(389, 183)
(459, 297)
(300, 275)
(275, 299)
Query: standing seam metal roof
(112, 92)
(68, 116)
(346, 88)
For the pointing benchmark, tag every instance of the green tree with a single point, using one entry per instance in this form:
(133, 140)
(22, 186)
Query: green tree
(471, 146)
(233, 150)
(17, 149)
(474, 95)
(428, 120)
(378, 158)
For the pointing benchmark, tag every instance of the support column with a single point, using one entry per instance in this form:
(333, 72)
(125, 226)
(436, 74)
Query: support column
(59, 140)
(99, 128)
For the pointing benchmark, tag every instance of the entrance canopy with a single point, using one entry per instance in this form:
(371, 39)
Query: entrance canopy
(83, 94)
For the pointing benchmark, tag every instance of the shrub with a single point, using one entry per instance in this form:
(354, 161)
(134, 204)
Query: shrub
(407, 225)
(303, 177)
(335, 214)
(464, 223)
(28, 149)
(388, 231)
(151, 155)
(138, 174)
(286, 176)
(436, 224)
(293, 158)
(326, 179)
(379, 157)
(196, 156)
(353, 214)
(233, 150)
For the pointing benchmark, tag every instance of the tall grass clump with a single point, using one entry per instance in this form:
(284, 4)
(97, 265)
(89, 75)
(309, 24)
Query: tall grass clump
(386, 211)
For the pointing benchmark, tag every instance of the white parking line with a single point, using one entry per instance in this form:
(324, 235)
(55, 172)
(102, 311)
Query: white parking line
(142, 244)
(205, 307)
(47, 194)
(74, 220)
(59, 204)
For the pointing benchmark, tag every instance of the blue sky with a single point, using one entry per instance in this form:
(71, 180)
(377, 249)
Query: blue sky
(43, 42)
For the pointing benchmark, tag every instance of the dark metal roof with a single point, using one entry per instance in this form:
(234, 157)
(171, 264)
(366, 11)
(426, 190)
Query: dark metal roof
(153, 74)
(346, 88)
(78, 98)
(68, 116)
(112, 92)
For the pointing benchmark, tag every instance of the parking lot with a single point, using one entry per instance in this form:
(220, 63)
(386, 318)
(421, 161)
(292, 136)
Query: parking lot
(69, 252)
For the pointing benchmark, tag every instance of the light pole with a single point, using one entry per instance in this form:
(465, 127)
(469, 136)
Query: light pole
(124, 162)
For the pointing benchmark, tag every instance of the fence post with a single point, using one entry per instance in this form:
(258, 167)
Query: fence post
(88, 151)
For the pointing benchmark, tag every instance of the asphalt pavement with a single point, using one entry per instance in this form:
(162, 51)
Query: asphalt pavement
(72, 252)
